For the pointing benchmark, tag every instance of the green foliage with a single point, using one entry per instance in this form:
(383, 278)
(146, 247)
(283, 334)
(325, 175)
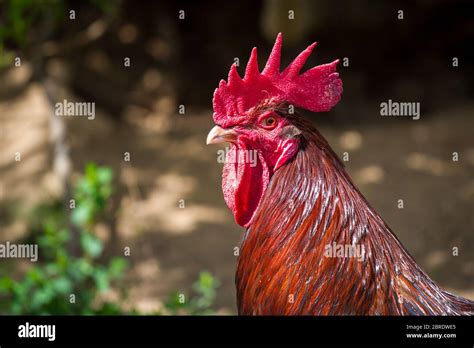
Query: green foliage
(107, 6)
(91, 195)
(200, 303)
(49, 213)
(47, 288)
(22, 18)
(21, 15)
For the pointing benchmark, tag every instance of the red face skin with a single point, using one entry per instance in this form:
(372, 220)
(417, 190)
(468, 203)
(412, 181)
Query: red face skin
(259, 147)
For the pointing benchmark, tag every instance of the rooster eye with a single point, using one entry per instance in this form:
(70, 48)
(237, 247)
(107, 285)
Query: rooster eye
(269, 122)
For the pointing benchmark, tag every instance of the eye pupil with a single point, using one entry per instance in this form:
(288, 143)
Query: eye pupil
(270, 122)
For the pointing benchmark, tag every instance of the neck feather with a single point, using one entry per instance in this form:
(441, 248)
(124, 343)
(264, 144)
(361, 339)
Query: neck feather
(311, 207)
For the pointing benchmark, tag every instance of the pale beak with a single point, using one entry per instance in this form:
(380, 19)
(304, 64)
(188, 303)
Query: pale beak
(219, 135)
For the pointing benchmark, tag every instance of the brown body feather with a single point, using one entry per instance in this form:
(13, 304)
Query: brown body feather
(311, 202)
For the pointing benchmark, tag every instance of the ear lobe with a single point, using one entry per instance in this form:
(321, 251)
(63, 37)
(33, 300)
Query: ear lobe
(290, 131)
(287, 149)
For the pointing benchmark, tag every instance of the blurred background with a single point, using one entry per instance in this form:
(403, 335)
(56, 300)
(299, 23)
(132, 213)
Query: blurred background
(148, 230)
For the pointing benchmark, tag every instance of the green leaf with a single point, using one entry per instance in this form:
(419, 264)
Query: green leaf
(83, 268)
(104, 175)
(62, 285)
(83, 188)
(173, 303)
(91, 244)
(116, 267)
(206, 279)
(91, 172)
(82, 214)
(101, 279)
(35, 274)
(42, 296)
(6, 283)
(51, 269)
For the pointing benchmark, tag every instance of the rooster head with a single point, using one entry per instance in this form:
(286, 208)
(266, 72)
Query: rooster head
(249, 113)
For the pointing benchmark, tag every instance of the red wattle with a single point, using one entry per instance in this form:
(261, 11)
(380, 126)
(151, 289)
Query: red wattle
(243, 184)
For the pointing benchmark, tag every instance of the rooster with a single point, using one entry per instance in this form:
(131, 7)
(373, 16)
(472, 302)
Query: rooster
(313, 245)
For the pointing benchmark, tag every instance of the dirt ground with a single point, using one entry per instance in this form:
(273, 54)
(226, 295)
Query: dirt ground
(390, 159)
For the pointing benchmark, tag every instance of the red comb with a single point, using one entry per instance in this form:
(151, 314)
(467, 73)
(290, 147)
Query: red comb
(317, 89)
